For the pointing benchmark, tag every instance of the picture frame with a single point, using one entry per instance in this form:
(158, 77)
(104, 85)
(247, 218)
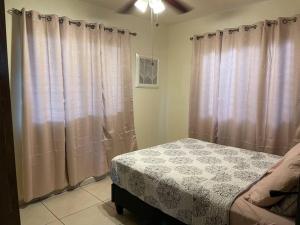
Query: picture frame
(147, 72)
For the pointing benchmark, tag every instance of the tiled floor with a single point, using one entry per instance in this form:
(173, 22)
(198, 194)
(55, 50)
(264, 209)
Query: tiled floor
(87, 205)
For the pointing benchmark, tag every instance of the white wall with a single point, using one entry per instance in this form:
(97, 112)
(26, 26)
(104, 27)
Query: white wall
(180, 52)
(149, 104)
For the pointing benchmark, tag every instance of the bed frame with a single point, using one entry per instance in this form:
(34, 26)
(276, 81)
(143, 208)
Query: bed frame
(123, 199)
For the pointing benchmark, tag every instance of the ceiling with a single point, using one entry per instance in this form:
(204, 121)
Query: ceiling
(169, 16)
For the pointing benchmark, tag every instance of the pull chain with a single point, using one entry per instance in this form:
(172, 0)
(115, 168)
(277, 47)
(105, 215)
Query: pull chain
(154, 24)
(152, 36)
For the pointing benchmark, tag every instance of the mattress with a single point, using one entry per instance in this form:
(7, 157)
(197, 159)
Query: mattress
(194, 181)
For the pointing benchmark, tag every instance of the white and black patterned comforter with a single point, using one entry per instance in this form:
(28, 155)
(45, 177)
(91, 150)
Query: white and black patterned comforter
(191, 180)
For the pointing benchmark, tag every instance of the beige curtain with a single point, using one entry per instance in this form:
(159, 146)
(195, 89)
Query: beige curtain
(38, 104)
(205, 87)
(244, 75)
(74, 103)
(82, 68)
(117, 91)
(259, 92)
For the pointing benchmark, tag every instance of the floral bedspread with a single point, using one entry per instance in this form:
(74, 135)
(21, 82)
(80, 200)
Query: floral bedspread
(191, 180)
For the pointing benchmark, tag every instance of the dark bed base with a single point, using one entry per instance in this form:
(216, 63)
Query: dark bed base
(123, 199)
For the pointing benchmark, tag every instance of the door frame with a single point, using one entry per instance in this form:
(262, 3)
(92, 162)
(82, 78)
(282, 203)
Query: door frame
(9, 204)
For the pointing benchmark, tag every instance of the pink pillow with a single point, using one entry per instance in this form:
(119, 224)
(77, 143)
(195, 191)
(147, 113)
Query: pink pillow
(271, 170)
(282, 178)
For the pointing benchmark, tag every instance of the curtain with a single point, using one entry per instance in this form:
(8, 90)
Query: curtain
(243, 87)
(70, 104)
(117, 88)
(205, 87)
(83, 101)
(258, 87)
(38, 104)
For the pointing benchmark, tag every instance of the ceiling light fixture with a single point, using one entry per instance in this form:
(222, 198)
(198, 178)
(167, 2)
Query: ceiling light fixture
(141, 5)
(156, 5)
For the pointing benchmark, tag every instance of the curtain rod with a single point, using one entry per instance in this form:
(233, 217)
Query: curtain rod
(78, 23)
(247, 27)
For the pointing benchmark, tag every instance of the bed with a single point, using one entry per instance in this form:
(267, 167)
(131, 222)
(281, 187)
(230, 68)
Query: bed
(192, 182)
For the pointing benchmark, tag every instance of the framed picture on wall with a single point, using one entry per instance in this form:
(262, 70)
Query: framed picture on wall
(147, 71)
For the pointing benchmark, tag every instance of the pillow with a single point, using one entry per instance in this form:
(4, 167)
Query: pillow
(275, 166)
(287, 206)
(283, 178)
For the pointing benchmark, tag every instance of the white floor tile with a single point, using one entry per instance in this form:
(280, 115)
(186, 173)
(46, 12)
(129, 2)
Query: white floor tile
(87, 181)
(55, 223)
(101, 214)
(70, 202)
(100, 189)
(36, 214)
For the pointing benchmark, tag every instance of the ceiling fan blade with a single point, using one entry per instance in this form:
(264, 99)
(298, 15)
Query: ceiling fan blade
(127, 8)
(179, 6)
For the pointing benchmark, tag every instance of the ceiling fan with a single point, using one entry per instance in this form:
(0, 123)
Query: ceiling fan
(156, 5)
